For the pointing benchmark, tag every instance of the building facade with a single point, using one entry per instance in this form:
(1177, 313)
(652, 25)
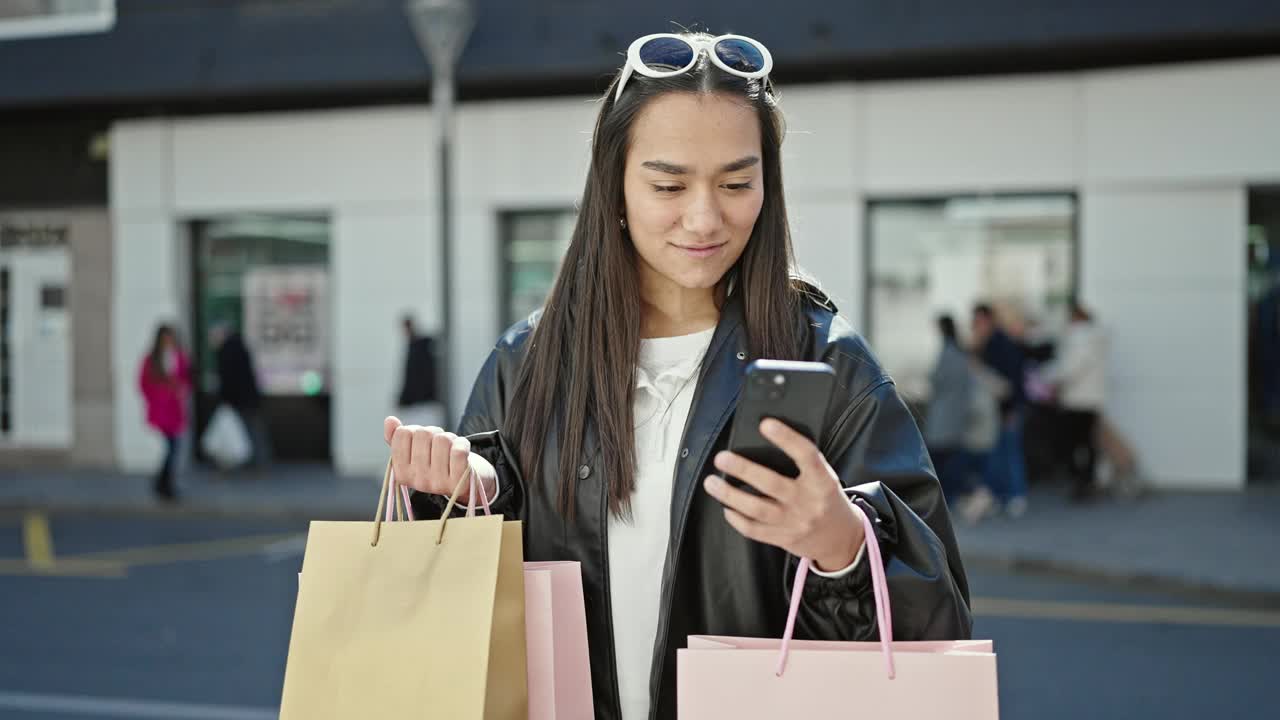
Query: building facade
(1139, 182)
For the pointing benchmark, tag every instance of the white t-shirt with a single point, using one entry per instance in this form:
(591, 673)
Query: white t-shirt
(666, 376)
(665, 380)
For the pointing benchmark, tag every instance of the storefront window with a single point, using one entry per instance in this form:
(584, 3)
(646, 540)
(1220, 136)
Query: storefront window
(267, 276)
(930, 257)
(533, 245)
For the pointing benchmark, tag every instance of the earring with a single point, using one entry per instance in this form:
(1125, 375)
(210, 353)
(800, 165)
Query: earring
(623, 222)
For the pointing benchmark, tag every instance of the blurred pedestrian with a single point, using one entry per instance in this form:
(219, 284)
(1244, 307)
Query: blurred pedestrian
(951, 404)
(1078, 377)
(164, 379)
(980, 439)
(238, 389)
(1006, 468)
(418, 392)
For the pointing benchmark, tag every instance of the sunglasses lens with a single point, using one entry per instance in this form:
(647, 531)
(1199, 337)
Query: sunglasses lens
(665, 54)
(741, 55)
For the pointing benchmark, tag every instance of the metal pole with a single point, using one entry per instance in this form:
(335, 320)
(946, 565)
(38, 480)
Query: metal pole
(441, 28)
(442, 98)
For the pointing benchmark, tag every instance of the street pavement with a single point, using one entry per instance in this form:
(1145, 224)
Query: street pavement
(1208, 544)
(180, 615)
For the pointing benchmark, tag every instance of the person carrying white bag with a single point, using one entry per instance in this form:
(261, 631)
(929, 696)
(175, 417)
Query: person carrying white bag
(225, 439)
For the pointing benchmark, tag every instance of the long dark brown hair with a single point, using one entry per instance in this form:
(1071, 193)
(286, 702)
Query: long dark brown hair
(155, 358)
(581, 361)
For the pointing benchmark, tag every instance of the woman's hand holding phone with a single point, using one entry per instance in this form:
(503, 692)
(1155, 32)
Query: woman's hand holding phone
(808, 516)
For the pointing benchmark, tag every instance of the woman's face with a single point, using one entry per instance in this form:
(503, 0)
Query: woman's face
(693, 187)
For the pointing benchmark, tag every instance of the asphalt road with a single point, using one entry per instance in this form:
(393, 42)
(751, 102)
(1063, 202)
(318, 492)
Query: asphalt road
(156, 616)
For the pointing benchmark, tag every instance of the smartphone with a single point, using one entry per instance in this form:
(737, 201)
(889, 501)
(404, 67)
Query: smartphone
(796, 393)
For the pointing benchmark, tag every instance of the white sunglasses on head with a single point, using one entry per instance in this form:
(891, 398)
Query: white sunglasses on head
(667, 54)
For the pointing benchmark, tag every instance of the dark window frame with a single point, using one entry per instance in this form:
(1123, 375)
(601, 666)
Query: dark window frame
(6, 365)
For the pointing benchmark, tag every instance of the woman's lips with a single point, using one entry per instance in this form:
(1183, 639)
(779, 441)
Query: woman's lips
(699, 251)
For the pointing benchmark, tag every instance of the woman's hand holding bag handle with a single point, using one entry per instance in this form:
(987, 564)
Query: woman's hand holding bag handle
(426, 458)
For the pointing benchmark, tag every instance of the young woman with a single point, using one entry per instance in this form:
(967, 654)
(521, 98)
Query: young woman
(165, 382)
(602, 421)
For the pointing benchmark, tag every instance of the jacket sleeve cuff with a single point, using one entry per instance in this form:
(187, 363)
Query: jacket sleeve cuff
(850, 582)
(862, 550)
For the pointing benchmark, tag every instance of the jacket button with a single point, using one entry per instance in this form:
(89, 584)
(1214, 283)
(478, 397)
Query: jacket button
(684, 453)
(584, 472)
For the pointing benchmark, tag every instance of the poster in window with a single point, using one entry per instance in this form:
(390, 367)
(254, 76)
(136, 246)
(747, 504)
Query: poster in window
(286, 325)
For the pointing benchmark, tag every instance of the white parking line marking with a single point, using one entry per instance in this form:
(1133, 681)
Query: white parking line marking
(116, 707)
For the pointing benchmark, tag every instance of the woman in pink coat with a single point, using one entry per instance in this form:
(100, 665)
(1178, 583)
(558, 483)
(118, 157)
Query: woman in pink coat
(165, 381)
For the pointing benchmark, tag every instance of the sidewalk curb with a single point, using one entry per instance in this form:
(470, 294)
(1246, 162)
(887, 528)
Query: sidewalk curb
(1026, 564)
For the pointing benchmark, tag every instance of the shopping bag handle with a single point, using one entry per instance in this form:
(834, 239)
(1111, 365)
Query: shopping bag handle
(879, 586)
(477, 488)
(397, 502)
(389, 498)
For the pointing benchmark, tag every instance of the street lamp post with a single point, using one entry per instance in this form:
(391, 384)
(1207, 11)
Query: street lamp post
(442, 27)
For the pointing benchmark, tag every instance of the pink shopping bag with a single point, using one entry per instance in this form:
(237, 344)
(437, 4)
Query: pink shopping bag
(555, 621)
(745, 678)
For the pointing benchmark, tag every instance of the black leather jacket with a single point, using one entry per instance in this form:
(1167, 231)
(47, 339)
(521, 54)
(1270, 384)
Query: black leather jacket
(715, 581)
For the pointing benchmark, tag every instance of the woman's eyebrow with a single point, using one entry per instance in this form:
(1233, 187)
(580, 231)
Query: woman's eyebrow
(666, 167)
(673, 169)
(740, 164)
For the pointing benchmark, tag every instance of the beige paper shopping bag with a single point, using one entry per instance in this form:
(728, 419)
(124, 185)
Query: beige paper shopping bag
(409, 620)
